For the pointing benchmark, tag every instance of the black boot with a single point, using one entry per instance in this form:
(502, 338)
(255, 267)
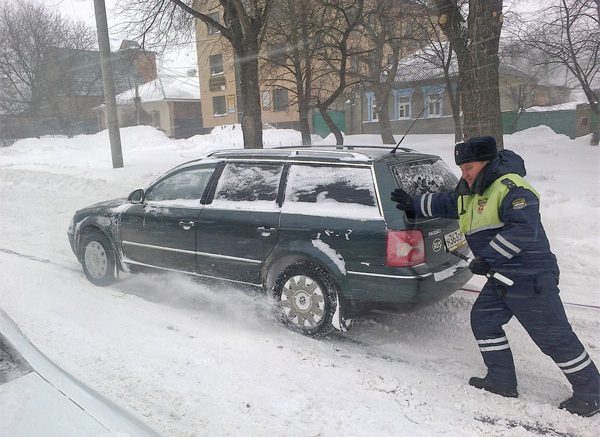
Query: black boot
(487, 385)
(577, 406)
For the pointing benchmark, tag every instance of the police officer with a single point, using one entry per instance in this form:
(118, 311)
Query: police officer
(498, 211)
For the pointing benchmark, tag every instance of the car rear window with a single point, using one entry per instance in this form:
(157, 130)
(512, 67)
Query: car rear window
(12, 365)
(425, 176)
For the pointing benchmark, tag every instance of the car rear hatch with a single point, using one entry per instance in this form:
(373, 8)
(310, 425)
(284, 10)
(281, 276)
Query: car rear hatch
(427, 174)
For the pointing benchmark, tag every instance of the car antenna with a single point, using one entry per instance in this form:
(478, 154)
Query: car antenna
(408, 130)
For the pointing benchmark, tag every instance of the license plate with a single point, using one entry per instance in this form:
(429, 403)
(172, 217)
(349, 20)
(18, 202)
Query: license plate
(454, 240)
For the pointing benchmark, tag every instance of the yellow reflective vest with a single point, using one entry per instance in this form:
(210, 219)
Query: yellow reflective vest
(480, 212)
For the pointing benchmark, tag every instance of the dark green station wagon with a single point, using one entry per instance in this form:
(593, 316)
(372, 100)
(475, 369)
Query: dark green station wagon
(314, 227)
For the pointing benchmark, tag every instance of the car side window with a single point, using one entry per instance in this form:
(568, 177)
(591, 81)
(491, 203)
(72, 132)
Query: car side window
(331, 191)
(184, 188)
(254, 184)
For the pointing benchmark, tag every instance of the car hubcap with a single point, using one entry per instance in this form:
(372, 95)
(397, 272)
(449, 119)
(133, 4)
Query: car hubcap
(303, 301)
(96, 260)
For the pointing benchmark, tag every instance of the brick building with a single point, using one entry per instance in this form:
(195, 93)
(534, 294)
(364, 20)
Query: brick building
(73, 86)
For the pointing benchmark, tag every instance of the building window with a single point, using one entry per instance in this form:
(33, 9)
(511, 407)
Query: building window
(217, 83)
(266, 100)
(216, 64)
(371, 107)
(584, 121)
(219, 107)
(280, 99)
(277, 53)
(231, 103)
(403, 108)
(433, 103)
(212, 29)
(402, 104)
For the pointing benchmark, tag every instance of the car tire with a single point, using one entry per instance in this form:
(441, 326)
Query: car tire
(306, 298)
(98, 259)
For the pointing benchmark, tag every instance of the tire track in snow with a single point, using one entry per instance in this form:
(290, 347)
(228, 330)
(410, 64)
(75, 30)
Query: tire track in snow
(37, 259)
(22, 255)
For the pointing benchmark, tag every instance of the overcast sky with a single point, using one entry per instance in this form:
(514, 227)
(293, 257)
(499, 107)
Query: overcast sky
(176, 61)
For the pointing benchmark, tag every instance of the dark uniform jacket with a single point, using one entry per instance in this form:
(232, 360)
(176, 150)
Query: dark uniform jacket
(500, 218)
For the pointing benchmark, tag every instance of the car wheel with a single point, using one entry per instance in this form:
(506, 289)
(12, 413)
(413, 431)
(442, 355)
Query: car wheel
(307, 298)
(98, 259)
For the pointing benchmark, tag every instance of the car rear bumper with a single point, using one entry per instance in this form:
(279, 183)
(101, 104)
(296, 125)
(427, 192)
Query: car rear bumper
(399, 294)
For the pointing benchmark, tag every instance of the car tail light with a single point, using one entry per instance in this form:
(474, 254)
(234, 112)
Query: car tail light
(405, 248)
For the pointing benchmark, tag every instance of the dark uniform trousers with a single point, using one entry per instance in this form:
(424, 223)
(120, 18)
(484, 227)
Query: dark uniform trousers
(536, 304)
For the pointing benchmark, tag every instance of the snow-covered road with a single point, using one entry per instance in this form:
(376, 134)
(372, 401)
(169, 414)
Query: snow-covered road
(193, 358)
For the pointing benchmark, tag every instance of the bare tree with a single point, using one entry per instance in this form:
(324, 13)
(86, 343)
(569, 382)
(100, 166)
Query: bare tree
(294, 38)
(521, 94)
(169, 22)
(383, 42)
(343, 19)
(475, 40)
(520, 89)
(438, 52)
(567, 33)
(30, 36)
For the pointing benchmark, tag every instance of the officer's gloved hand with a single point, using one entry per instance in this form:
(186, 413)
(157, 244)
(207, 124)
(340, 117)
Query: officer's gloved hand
(404, 201)
(479, 266)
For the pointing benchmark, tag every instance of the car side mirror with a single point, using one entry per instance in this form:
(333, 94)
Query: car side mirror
(136, 196)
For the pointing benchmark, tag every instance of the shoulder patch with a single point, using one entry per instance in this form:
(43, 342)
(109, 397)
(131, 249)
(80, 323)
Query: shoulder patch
(519, 203)
(510, 184)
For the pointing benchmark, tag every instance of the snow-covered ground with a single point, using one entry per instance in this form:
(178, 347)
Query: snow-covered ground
(203, 359)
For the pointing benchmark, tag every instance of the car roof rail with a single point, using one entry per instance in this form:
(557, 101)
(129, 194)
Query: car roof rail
(345, 147)
(292, 152)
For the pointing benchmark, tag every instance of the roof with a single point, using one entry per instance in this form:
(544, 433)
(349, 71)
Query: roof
(425, 65)
(165, 87)
(86, 73)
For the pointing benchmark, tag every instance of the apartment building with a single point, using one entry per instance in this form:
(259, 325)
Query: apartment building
(219, 91)
(219, 87)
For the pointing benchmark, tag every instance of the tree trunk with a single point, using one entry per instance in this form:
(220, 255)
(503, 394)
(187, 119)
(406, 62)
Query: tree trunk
(455, 107)
(385, 126)
(250, 105)
(476, 48)
(596, 132)
(243, 35)
(303, 112)
(481, 109)
(339, 139)
(383, 113)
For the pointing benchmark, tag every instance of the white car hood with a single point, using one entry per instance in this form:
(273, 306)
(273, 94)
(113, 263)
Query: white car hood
(32, 407)
(49, 402)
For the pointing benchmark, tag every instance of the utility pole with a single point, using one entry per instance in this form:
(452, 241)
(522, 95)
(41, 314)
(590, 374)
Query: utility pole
(137, 101)
(112, 120)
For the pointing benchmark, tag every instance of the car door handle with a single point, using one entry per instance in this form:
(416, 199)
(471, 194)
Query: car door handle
(265, 231)
(186, 225)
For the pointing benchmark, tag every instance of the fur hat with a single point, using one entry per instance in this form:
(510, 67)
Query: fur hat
(475, 149)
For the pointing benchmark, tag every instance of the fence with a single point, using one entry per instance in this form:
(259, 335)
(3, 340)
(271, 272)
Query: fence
(561, 122)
